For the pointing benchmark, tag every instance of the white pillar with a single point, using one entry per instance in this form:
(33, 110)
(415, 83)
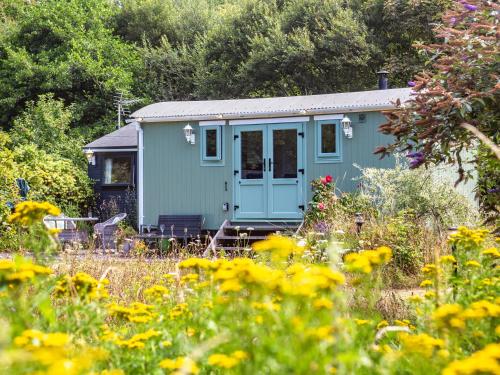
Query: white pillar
(140, 175)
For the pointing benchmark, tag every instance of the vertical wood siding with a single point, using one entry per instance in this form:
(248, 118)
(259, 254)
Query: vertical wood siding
(175, 183)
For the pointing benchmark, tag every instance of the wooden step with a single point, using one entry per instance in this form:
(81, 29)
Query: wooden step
(250, 237)
(260, 227)
(232, 248)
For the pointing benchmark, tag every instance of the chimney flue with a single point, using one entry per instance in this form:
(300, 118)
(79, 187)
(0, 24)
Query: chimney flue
(383, 81)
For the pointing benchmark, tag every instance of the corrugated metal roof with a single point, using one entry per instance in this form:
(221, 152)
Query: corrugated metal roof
(125, 137)
(273, 107)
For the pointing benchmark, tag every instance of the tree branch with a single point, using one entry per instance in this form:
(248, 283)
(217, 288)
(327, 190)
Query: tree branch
(483, 138)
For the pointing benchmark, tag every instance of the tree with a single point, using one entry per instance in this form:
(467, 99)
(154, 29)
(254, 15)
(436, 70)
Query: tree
(456, 102)
(46, 124)
(66, 48)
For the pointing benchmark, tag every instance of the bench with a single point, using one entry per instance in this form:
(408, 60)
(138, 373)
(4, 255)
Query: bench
(180, 226)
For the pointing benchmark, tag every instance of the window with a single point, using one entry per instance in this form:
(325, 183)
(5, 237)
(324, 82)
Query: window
(328, 141)
(117, 170)
(211, 145)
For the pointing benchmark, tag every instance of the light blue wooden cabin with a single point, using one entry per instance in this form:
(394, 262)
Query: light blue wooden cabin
(252, 160)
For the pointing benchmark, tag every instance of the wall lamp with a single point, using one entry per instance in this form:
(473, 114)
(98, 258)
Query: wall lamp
(346, 126)
(189, 134)
(89, 154)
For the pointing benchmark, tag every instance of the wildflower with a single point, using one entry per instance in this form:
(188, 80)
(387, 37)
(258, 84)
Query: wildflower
(473, 264)
(137, 312)
(426, 283)
(323, 333)
(362, 322)
(449, 316)
(448, 259)
(323, 303)
(31, 339)
(20, 271)
(321, 206)
(404, 323)
(421, 344)
(411, 84)
(416, 159)
(482, 309)
(430, 269)
(230, 286)
(365, 261)
(166, 344)
(227, 361)
(280, 247)
(85, 286)
(382, 324)
(468, 238)
(30, 212)
(415, 298)
(485, 361)
(259, 319)
(430, 294)
(195, 263)
(179, 310)
(184, 364)
(156, 292)
(190, 332)
(137, 341)
(492, 251)
(470, 7)
(190, 277)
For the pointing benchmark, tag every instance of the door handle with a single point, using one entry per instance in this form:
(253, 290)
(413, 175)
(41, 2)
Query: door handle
(270, 163)
(264, 165)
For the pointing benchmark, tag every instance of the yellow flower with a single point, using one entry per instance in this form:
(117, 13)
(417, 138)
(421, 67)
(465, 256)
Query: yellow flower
(240, 355)
(482, 309)
(156, 292)
(32, 339)
(472, 263)
(430, 294)
(137, 312)
(166, 344)
(485, 361)
(448, 259)
(449, 316)
(415, 298)
(259, 319)
(196, 263)
(30, 212)
(81, 285)
(138, 340)
(430, 269)
(190, 331)
(280, 247)
(382, 324)
(491, 251)
(323, 303)
(365, 261)
(184, 364)
(362, 322)
(426, 283)
(421, 344)
(227, 361)
(468, 238)
(190, 277)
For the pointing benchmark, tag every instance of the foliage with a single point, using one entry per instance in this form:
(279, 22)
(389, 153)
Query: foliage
(401, 189)
(65, 48)
(46, 124)
(458, 97)
(199, 317)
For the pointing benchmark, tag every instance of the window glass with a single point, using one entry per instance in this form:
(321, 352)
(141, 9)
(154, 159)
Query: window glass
(328, 139)
(252, 148)
(211, 143)
(285, 153)
(117, 170)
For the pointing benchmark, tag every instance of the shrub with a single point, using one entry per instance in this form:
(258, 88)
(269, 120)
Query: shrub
(402, 189)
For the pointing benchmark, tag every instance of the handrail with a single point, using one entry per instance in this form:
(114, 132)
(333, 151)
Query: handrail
(213, 242)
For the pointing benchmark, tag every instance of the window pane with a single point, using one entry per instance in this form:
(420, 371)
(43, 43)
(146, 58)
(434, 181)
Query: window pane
(211, 143)
(251, 154)
(285, 153)
(328, 139)
(117, 170)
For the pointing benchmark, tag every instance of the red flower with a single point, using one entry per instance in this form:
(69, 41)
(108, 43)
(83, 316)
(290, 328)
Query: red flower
(321, 206)
(323, 180)
(328, 179)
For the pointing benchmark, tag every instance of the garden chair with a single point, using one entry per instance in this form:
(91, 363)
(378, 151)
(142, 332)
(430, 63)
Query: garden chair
(106, 231)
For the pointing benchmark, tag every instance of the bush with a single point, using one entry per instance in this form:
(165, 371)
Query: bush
(401, 189)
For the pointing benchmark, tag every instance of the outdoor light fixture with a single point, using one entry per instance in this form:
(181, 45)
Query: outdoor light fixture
(189, 134)
(346, 126)
(89, 154)
(358, 219)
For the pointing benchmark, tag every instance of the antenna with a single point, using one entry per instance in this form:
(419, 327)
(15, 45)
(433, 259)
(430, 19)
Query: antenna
(122, 104)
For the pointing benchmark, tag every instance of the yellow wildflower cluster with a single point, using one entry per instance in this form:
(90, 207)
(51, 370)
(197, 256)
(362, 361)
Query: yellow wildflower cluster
(16, 272)
(137, 312)
(156, 292)
(30, 212)
(137, 341)
(468, 238)
(227, 361)
(485, 361)
(199, 263)
(180, 365)
(278, 246)
(270, 306)
(181, 309)
(83, 286)
(482, 309)
(56, 354)
(449, 316)
(365, 261)
(421, 344)
(491, 251)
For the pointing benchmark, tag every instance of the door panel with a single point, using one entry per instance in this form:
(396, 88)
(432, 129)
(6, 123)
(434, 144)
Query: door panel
(250, 176)
(267, 160)
(284, 183)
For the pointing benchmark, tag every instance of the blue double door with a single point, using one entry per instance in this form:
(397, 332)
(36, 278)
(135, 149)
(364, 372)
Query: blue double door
(269, 171)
